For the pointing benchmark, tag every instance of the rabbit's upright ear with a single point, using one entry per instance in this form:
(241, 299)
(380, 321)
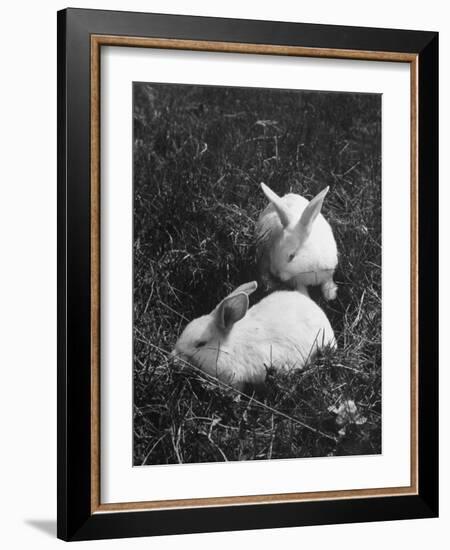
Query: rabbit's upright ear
(280, 209)
(311, 212)
(231, 310)
(247, 288)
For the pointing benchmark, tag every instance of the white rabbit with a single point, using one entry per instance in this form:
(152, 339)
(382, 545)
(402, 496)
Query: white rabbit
(295, 244)
(237, 345)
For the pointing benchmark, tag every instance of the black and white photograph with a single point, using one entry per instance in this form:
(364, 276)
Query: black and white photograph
(256, 274)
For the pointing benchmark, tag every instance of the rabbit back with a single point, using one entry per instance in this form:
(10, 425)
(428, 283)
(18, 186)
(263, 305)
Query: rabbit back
(283, 332)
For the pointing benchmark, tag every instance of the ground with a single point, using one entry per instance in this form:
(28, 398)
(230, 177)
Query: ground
(200, 154)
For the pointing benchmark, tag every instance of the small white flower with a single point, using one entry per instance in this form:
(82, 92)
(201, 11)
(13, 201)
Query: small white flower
(347, 413)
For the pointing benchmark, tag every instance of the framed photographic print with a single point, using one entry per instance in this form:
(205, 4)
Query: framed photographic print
(247, 252)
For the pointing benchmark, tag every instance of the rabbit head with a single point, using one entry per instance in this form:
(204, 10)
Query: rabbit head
(200, 342)
(294, 249)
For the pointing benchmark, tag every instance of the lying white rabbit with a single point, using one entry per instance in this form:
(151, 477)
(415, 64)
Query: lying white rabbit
(295, 244)
(237, 345)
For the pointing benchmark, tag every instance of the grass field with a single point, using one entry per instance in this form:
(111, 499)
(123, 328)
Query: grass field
(200, 154)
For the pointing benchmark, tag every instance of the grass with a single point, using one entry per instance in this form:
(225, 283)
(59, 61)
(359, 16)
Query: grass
(199, 156)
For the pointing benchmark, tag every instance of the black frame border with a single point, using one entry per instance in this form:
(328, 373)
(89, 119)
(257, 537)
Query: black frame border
(75, 520)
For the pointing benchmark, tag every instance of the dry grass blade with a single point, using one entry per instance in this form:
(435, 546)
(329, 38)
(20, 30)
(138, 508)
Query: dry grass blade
(252, 399)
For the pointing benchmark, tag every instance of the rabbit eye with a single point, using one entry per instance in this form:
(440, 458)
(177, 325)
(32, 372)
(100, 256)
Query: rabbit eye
(291, 257)
(200, 344)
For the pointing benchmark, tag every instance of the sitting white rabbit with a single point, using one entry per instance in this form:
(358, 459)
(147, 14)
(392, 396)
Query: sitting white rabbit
(295, 244)
(237, 345)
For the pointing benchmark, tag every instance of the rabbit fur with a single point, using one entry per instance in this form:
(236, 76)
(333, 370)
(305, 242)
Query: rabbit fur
(295, 244)
(236, 344)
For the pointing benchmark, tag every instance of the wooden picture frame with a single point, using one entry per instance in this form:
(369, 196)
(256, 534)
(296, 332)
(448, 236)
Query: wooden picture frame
(81, 35)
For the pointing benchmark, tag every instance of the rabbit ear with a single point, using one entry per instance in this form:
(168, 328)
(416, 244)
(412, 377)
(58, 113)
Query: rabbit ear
(281, 210)
(230, 310)
(311, 212)
(247, 288)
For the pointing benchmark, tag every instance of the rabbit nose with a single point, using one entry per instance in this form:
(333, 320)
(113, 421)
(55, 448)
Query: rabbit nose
(176, 358)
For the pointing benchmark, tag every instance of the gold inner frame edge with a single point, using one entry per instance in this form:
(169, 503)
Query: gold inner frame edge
(97, 41)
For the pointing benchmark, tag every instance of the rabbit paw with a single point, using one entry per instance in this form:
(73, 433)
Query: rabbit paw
(329, 290)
